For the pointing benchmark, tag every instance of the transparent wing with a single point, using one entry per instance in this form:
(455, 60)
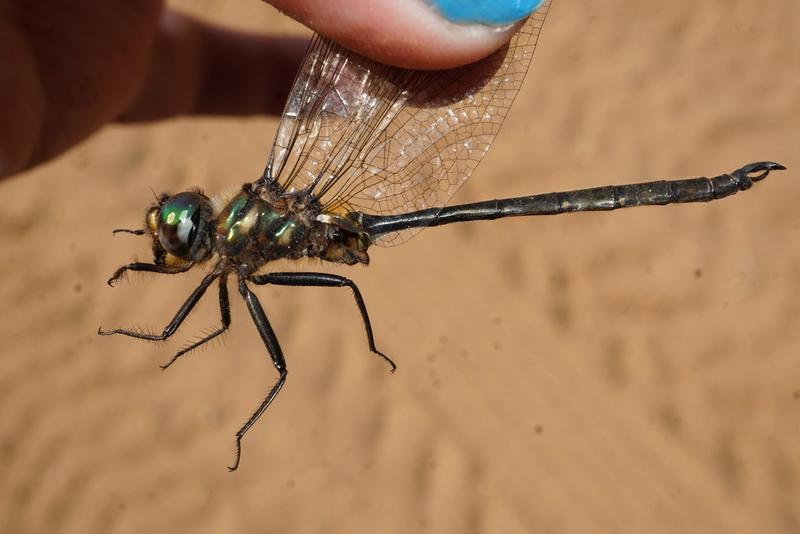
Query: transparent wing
(363, 136)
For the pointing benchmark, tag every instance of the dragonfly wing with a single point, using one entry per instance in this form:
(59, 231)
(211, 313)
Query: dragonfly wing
(367, 137)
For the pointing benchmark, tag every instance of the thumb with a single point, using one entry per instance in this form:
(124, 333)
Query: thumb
(422, 34)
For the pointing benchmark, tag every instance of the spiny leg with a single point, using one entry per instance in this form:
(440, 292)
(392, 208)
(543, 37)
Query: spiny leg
(273, 347)
(148, 268)
(326, 280)
(225, 319)
(176, 321)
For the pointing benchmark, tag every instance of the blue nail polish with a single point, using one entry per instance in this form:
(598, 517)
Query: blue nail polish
(491, 12)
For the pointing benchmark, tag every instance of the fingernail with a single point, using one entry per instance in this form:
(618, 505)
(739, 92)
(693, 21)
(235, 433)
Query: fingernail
(489, 12)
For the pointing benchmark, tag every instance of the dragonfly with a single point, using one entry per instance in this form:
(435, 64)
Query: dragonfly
(365, 154)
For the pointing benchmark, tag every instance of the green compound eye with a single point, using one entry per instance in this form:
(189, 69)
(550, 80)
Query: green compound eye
(178, 221)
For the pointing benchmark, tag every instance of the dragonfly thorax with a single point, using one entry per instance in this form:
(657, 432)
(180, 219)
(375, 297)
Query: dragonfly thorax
(254, 228)
(252, 231)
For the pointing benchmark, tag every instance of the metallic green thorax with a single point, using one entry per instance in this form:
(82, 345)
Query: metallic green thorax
(253, 231)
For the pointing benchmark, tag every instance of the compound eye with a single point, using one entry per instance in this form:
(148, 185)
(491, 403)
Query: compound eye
(179, 218)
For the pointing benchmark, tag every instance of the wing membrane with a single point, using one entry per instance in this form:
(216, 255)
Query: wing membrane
(363, 136)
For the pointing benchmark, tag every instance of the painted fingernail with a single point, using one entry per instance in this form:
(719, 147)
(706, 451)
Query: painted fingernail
(489, 12)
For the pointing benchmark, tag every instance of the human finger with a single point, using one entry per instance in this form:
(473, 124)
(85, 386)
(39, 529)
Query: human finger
(200, 68)
(430, 34)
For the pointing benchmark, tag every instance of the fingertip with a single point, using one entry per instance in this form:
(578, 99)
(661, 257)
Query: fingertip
(408, 33)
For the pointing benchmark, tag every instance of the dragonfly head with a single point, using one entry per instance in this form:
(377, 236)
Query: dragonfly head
(181, 228)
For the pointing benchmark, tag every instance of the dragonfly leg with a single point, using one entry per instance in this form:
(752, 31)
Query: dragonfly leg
(149, 268)
(326, 280)
(176, 321)
(225, 320)
(273, 347)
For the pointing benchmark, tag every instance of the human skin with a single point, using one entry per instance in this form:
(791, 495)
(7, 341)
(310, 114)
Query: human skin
(72, 66)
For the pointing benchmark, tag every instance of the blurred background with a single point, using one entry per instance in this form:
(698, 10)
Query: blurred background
(636, 371)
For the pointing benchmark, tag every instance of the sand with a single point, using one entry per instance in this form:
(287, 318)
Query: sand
(636, 371)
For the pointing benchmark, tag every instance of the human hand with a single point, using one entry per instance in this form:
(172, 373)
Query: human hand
(71, 66)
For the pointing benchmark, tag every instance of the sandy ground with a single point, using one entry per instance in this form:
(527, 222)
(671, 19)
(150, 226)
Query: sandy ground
(628, 372)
